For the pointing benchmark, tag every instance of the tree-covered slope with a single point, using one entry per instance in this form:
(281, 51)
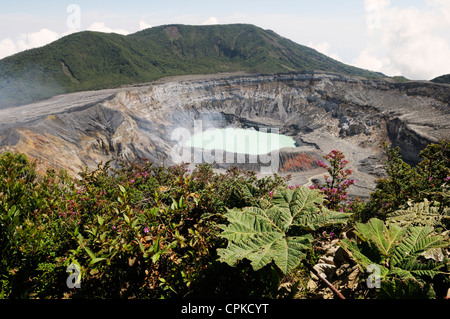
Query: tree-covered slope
(442, 79)
(93, 60)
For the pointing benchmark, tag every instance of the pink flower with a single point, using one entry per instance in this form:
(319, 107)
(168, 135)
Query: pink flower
(321, 164)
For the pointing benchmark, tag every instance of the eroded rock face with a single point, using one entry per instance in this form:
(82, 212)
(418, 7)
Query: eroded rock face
(320, 111)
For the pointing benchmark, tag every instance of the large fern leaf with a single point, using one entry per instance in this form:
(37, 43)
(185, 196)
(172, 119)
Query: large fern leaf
(265, 235)
(418, 240)
(261, 237)
(305, 208)
(397, 252)
(360, 256)
(419, 214)
(385, 238)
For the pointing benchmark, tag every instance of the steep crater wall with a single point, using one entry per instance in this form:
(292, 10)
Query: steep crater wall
(320, 111)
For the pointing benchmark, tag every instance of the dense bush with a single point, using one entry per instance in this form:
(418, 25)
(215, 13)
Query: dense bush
(146, 231)
(428, 180)
(141, 231)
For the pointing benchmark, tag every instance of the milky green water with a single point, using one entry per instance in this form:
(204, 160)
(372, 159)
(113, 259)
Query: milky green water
(237, 140)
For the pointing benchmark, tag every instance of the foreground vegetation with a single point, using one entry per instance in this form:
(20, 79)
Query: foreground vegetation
(144, 231)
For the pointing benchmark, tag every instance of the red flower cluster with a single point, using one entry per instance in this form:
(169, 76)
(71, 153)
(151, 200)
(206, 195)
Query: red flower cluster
(337, 181)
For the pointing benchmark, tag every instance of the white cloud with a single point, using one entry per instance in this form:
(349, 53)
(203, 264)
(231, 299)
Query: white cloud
(407, 41)
(443, 6)
(211, 20)
(370, 61)
(144, 25)
(36, 39)
(7, 47)
(25, 41)
(324, 48)
(101, 27)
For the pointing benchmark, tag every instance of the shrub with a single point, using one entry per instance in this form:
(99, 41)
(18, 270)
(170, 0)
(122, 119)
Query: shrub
(428, 180)
(397, 254)
(147, 231)
(139, 231)
(337, 181)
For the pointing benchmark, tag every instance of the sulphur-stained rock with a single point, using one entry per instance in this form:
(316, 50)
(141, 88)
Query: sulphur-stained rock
(320, 111)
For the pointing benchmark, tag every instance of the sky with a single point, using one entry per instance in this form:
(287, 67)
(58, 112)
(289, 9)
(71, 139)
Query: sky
(396, 37)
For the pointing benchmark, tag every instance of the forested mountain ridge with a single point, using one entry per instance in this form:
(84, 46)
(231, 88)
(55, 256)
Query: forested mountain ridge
(94, 60)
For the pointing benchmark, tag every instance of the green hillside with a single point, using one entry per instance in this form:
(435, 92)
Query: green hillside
(94, 60)
(442, 79)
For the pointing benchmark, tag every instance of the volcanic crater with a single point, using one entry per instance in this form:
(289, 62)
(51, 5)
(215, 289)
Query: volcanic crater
(320, 111)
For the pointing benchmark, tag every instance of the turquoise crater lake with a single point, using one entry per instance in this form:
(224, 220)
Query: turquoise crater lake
(243, 141)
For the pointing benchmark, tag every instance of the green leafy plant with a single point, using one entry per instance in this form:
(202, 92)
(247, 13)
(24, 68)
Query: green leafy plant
(278, 231)
(427, 180)
(148, 231)
(397, 253)
(421, 214)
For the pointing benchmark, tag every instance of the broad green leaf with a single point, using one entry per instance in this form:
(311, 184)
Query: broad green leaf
(286, 252)
(89, 252)
(324, 218)
(299, 200)
(13, 211)
(264, 235)
(386, 239)
(100, 220)
(141, 246)
(96, 260)
(155, 257)
(305, 201)
(304, 208)
(251, 222)
(424, 240)
(122, 189)
(418, 240)
(81, 243)
(397, 252)
(181, 202)
(174, 205)
(260, 236)
(353, 250)
(402, 274)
